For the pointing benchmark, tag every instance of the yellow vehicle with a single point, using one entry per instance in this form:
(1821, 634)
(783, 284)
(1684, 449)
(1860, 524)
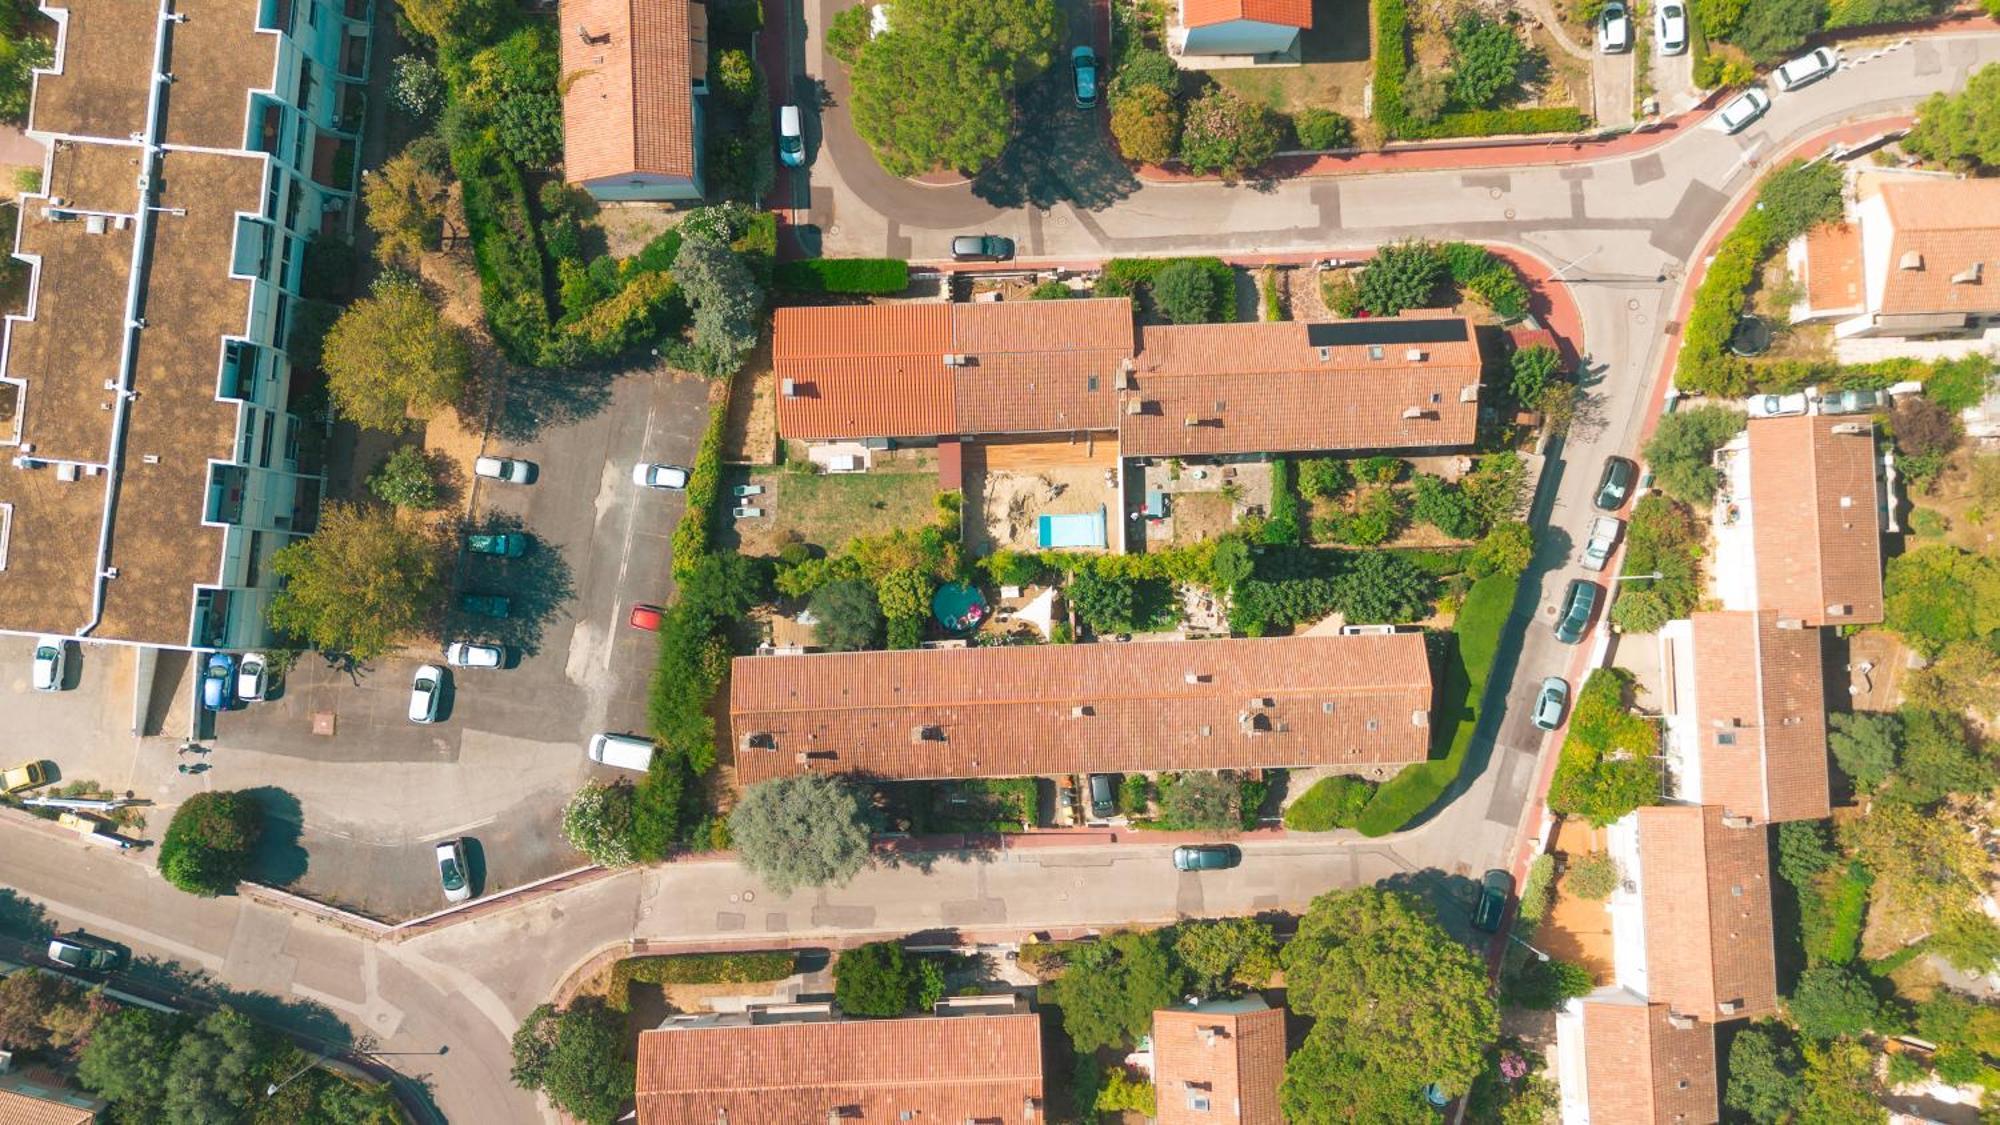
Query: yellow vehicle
(21, 777)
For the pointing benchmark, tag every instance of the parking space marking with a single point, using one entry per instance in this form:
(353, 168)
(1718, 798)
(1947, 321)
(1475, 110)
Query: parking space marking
(459, 830)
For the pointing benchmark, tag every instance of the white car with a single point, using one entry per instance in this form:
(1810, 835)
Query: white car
(51, 656)
(451, 870)
(425, 689)
(1810, 67)
(647, 474)
(252, 677)
(1777, 406)
(1670, 27)
(471, 654)
(1603, 539)
(512, 470)
(1741, 110)
(1614, 29)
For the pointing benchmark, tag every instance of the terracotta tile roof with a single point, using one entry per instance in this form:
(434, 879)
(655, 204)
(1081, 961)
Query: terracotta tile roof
(1268, 388)
(629, 103)
(1706, 891)
(1234, 1059)
(1291, 13)
(1760, 709)
(1040, 366)
(1815, 527)
(1833, 267)
(1950, 226)
(1013, 711)
(941, 1069)
(1641, 1069)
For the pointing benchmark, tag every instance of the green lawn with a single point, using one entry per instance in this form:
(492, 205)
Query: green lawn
(830, 509)
(1476, 638)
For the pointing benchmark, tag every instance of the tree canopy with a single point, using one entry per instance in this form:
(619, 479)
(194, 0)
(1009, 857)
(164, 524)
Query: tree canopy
(849, 616)
(1764, 1082)
(1831, 1001)
(1110, 989)
(1681, 449)
(210, 841)
(404, 205)
(875, 979)
(1397, 1004)
(358, 585)
(390, 359)
(803, 831)
(1864, 746)
(577, 1057)
(1227, 953)
(1961, 129)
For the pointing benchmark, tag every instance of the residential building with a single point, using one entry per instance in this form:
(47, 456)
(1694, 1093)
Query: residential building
(1219, 1061)
(1253, 31)
(157, 463)
(1623, 1061)
(635, 75)
(1745, 705)
(1355, 702)
(1691, 924)
(1909, 259)
(915, 373)
(35, 1095)
(1799, 521)
(979, 1062)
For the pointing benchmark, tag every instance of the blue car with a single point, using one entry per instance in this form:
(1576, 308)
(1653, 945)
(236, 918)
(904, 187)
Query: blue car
(218, 681)
(1083, 68)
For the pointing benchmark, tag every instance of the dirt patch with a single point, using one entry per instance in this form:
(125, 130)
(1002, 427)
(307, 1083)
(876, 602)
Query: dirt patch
(628, 227)
(1201, 516)
(750, 436)
(1012, 504)
(1576, 929)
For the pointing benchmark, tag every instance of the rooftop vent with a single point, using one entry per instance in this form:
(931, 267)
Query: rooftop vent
(1375, 351)
(1191, 421)
(1135, 406)
(788, 387)
(1414, 355)
(1259, 702)
(1209, 1033)
(1469, 393)
(1839, 611)
(1420, 718)
(1969, 275)
(1850, 428)
(1082, 711)
(1680, 1022)
(1735, 820)
(1197, 677)
(927, 734)
(591, 38)
(1729, 1007)
(1791, 623)
(954, 359)
(1325, 354)
(1413, 412)
(65, 470)
(1124, 380)
(1911, 260)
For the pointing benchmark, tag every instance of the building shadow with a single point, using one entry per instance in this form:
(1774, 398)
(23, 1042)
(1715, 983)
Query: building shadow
(1450, 897)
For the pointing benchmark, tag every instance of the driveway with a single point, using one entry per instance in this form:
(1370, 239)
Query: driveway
(375, 793)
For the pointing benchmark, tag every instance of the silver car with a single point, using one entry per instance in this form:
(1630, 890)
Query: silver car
(1551, 703)
(47, 673)
(472, 654)
(1741, 110)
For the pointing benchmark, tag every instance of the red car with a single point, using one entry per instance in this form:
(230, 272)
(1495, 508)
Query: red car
(646, 617)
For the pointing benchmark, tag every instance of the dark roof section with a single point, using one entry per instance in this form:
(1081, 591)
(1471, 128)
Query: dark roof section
(1386, 330)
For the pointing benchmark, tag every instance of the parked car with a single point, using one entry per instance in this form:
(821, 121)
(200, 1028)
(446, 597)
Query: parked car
(1579, 605)
(672, 478)
(472, 654)
(1603, 540)
(78, 951)
(485, 605)
(626, 751)
(504, 544)
(1807, 68)
(252, 677)
(1494, 890)
(1853, 402)
(452, 871)
(51, 658)
(1551, 703)
(426, 687)
(645, 617)
(1614, 29)
(511, 470)
(1615, 486)
(1670, 27)
(1083, 77)
(791, 137)
(218, 681)
(981, 248)
(1737, 114)
(27, 775)
(1103, 795)
(1777, 406)
(1206, 857)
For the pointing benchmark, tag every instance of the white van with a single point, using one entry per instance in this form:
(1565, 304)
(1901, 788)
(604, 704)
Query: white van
(627, 752)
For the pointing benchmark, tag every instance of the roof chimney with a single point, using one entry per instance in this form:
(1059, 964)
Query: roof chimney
(1413, 412)
(1850, 427)
(788, 387)
(1969, 275)
(1414, 355)
(1197, 677)
(1911, 260)
(1082, 711)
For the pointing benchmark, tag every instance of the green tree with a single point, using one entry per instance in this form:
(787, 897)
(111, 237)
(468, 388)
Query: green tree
(1397, 1003)
(876, 979)
(1939, 758)
(1774, 29)
(1232, 562)
(1486, 59)
(456, 21)
(849, 616)
(1640, 611)
(403, 201)
(1832, 1001)
(1681, 450)
(1183, 292)
(847, 33)
(1323, 478)
(1147, 66)
(210, 841)
(1106, 603)
(1321, 129)
(1865, 746)
(26, 998)
(1146, 123)
(20, 53)
(1545, 985)
(390, 359)
(1224, 133)
(125, 1062)
(577, 1057)
(1445, 506)
(1764, 1082)
(597, 821)
(214, 1071)
(1804, 851)
(1531, 370)
(358, 585)
(1401, 275)
(1938, 594)
(1378, 587)
(407, 479)
(1960, 129)
(1507, 550)
(1227, 953)
(1201, 801)
(1839, 1084)
(728, 304)
(1110, 989)
(936, 89)
(804, 831)
(736, 76)
(530, 127)
(1964, 677)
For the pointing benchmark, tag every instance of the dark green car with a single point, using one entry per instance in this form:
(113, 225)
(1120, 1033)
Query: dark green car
(78, 952)
(505, 544)
(1579, 605)
(1206, 857)
(485, 605)
(1494, 891)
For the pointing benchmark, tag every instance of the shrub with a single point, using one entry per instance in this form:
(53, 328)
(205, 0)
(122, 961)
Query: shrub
(1445, 506)
(210, 841)
(598, 822)
(1402, 275)
(1546, 985)
(1605, 767)
(1135, 794)
(876, 979)
(495, 200)
(1323, 477)
(1322, 129)
(1122, 276)
(1682, 449)
(1283, 527)
(878, 276)
(1532, 368)
(694, 968)
(1392, 63)
(1593, 877)
(1184, 292)
(1200, 801)
(1146, 123)
(1537, 889)
(1500, 122)
(1485, 59)
(407, 479)
(531, 128)
(1146, 66)
(1332, 802)
(691, 534)
(1830, 1002)
(1224, 133)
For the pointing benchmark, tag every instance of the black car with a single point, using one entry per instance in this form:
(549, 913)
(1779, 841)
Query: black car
(1103, 795)
(1579, 605)
(78, 951)
(981, 248)
(1494, 891)
(1616, 486)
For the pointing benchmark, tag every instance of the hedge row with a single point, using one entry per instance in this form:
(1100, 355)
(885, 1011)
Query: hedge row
(692, 535)
(694, 968)
(844, 275)
(1392, 65)
(505, 248)
(1498, 122)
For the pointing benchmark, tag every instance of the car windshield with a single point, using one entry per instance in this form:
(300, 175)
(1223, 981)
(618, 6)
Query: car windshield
(218, 671)
(46, 652)
(69, 955)
(449, 871)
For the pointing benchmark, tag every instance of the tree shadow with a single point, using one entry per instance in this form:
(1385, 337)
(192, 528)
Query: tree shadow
(279, 860)
(307, 1018)
(24, 918)
(1058, 154)
(537, 586)
(1451, 897)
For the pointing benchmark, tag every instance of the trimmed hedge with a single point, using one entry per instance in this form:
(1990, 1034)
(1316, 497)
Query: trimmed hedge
(509, 258)
(694, 968)
(1392, 65)
(877, 276)
(1499, 122)
(691, 536)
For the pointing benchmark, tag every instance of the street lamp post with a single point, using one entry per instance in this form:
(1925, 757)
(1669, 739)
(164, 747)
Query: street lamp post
(1524, 945)
(1630, 577)
(273, 1088)
(1573, 263)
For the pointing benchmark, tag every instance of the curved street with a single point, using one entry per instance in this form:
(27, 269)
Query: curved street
(1620, 231)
